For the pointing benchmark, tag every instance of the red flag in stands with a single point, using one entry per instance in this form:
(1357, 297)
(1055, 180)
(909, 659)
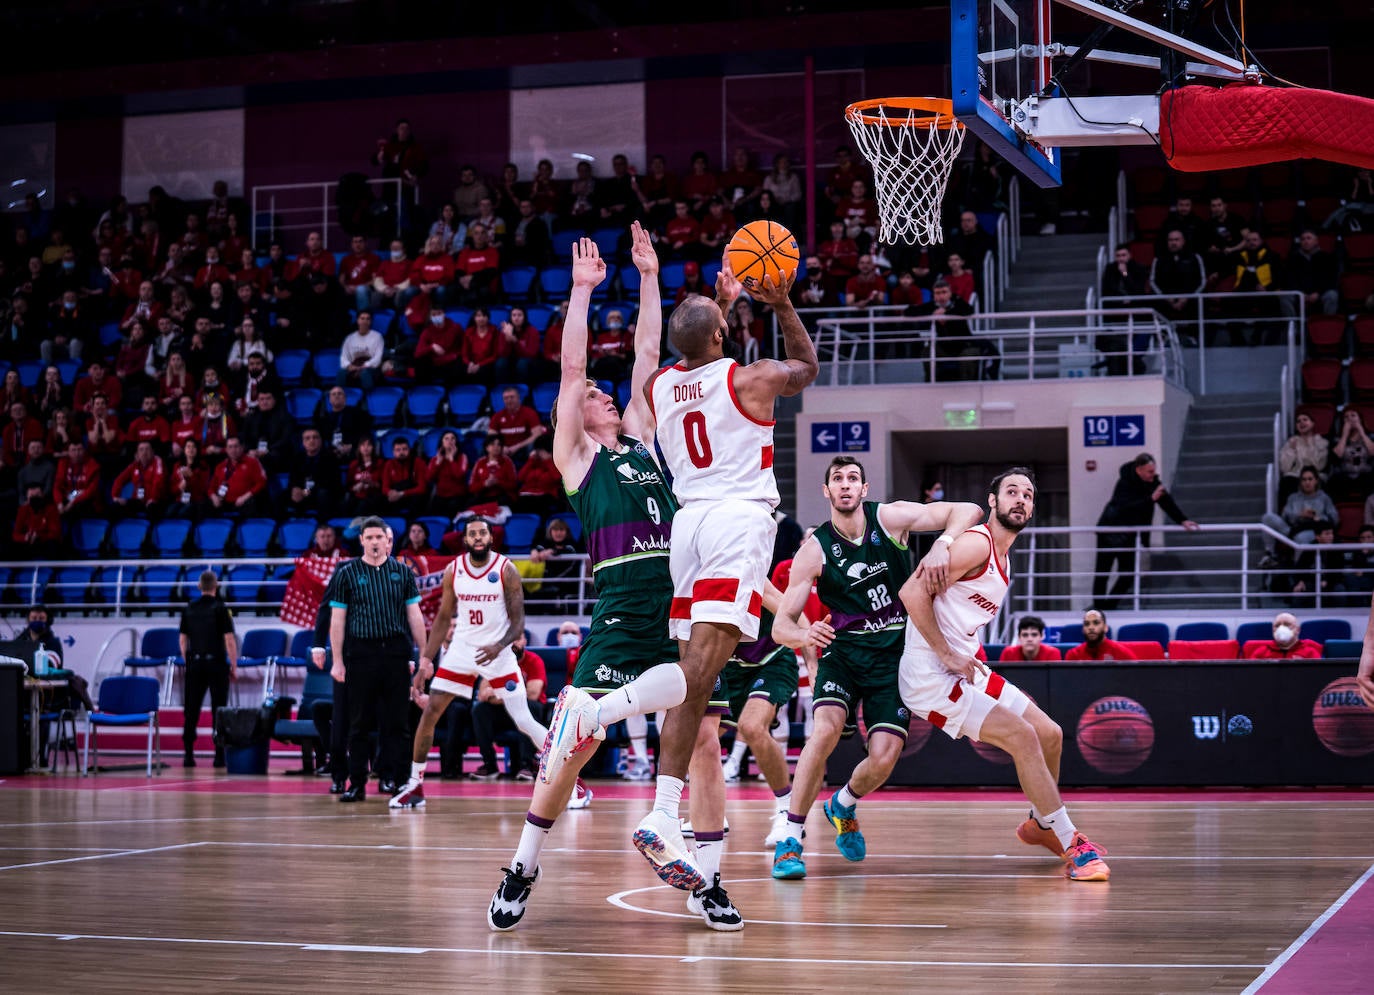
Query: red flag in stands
(429, 572)
(306, 588)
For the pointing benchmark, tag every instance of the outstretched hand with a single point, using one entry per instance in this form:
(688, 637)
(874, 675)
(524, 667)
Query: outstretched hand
(773, 294)
(727, 286)
(588, 268)
(642, 251)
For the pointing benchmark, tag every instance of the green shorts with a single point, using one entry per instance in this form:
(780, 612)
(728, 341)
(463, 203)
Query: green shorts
(774, 680)
(845, 679)
(629, 634)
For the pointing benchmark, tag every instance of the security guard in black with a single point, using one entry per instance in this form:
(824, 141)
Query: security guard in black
(210, 649)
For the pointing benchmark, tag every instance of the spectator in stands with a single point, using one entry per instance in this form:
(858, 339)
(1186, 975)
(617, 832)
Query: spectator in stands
(493, 476)
(104, 436)
(145, 479)
(1096, 646)
(692, 283)
(214, 271)
(700, 184)
(238, 483)
(451, 232)
(268, 432)
(681, 234)
(1359, 576)
(786, 188)
(433, 272)
(1176, 272)
(146, 308)
(402, 157)
(1182, 218)
(193, 239)
(357, 271)
(1222, 235)
(516, 423)
(63, 431)
(1312, 271)
(131, 363)
(1287, 643)
(391, 287)
(857, 207)
(416, 545)
(467, 196)
(519, 359)
(22, 429)
(612, 348)
(215, 428)
(360, 356)
(839, 257)
(342, 426)
(490, 719)
(491, 221)
(538, 483)
(95, 293)
(1352, 474)
(257, 379)
(1030, 643)
(448, 472)
(77, 484)
(179, 307)
(248, 342)
(746, 329)
(232, 240)
(149, 426)
(405, 483)
(867, 288)
(14, 391)
(315, 259)
(37, 532)
(717, 228)
(438, 353)
(167, 340)
(39, 470)
(322, 310)
(185, 425)
(481, 348)
(1132, 503)
(617, 203)
(741, 183)
(477, 268)
(658, 190)
(811, 289)
(958, 356)
(177, 271)
(961, 281)
(847, 170)
(248, 303)
(313, 484)
(1256, 270)
(68, 329)
(970, 241)
(51, 393)
(528, 241)
(364, 479)
(1305, 507)
(1124, 277)
(1320, 570)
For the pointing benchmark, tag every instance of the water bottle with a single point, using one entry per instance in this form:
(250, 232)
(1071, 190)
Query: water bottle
(40, 662)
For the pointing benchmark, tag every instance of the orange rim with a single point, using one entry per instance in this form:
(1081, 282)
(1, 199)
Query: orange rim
(940, 112)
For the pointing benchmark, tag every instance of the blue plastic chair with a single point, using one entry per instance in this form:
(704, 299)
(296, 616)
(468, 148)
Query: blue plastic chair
(30, 372)
(242, 583)
(261, 647)
(272, 591)
(539, 315)
(397, 525)
(169, 538)
(460, 316)
(212, 535)
(29, 583)
(326, 365)
(69, 369)
(88, 535)
(301, 404)
(608, 241)
(158, 585)
(109, 335)
(383, 404)
(630, 282)
(422, 404)
(556, 282)
(1342, 649)
(517, 282)
(127, 538)
(709, 271)
(543, 397)
(603, 289)
(295, 535)
(573, 522)
(1146, 632)
(290, 365)
(1249, 631)
(622, 393)
(429, 442)
(254, 535)
(124, 702)
(562, 243)
(465, 403)
(160, 649)
(353, 396)
(673, 275)
(435, 527)
(107, 582)
(1321, 629)
(520, 532)
(69, 584)
(1194, 631)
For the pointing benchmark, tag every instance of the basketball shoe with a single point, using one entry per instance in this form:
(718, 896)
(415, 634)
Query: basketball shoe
(659, 838)
(412, 795)
(1085, 860)
(638, 769)
(512, 894)
(730, 768)
(787, 860)
(1032, 833)
(715, 908)
(778, 829)
(572, 728)
(846, 822)
(581, 796)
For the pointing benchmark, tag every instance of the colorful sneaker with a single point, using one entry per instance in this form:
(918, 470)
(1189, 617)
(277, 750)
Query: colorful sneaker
(689, 833)
(581, 796)
(778, 829)
(715, 908)
(1032, 833)
(412, 795)
(659, 838)
(512, 895)
(846, 822)
(787, 860)
(1085, 860)
(486, 772)
(572, 728)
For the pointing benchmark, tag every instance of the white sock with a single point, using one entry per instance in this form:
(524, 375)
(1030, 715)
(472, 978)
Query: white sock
(708, 854)
(637, 727)
(417, 771)
(661, 687)
(668, 795)
(532, 840)
(784, 800)
(738, 750)
(846, 798)
(1061, 824)
(518, 706)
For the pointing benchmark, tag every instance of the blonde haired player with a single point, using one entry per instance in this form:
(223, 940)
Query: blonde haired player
(942, 682)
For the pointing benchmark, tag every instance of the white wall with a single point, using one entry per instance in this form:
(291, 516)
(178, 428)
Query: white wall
(184, 153)
(555, 122)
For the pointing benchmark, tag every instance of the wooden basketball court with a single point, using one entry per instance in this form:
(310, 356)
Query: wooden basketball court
(195, 881)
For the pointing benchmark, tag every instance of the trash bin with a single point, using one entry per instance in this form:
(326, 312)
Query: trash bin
(245, 734)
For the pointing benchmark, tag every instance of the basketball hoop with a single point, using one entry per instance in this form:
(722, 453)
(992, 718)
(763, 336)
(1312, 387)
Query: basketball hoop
(912, 143)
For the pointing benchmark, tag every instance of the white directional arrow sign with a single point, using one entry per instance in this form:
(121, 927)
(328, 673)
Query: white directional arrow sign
(1129, 431)
(824, 438)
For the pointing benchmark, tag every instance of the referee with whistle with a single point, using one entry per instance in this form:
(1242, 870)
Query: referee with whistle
(374, 625)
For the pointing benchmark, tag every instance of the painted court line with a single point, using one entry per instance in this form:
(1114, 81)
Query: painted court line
(623, 955)
(1307, 934)
(100, 856)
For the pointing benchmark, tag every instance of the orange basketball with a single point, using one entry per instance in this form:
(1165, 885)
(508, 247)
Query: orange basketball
(763, 248)
(1115, 734)
(1342, 721)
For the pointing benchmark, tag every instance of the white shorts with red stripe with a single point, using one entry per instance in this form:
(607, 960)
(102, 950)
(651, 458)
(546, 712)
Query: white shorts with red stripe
(719, 559)
(949, 702)
(458, 670)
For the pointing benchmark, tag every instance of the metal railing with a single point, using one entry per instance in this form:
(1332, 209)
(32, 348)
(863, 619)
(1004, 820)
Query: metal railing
(1118, 232)
(1020, 345)
(1013, 246)
(282, 208)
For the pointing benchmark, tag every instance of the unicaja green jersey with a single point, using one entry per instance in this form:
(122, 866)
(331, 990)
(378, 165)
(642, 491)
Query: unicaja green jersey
(859, 583)
(626, 508)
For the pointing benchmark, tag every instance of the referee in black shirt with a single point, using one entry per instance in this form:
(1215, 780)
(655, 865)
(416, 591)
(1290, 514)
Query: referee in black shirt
(375, 623)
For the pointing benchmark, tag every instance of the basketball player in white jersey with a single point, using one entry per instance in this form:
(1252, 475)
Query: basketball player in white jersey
(482, 594)
(942, 681)
(715, 428)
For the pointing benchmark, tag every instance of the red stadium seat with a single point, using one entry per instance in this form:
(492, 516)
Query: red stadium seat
(1204, 649)
(1143, 252)
(1279, 215)
(1362, 380)
(1326, 336)
(1321, 380)
(1355, 290)
(1147, 182)
(1351, 518)
(1364, 334)
(1148, 219)
(1146, 649)
(1359, 250)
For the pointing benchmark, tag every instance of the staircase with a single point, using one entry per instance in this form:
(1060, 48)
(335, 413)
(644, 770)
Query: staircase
(1053, 273)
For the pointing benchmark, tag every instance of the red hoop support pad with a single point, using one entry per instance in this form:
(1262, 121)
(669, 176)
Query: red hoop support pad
(1202, 128)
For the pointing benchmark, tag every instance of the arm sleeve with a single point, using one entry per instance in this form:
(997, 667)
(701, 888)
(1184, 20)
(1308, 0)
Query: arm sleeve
(412, 590)
(1172, 509)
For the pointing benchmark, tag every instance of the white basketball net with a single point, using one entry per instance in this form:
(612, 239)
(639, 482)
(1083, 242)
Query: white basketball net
(912, 154)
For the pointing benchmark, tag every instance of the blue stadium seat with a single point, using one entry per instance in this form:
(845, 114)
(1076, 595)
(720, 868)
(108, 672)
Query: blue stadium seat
(517, 281)
(158, 585)
(709, 271)
(382, 405)
(630, 281)
(169, 538)
(159, 646)
(573, 522)
(422, 404)
(241, 583)
(465, 403)
(29, 583)
(474, 444)
(105, 587)
(68, 585)
(212, 535)
(1146, 632)
(30, 372)
(1341, 649)
(109, 335)
(562, 243)
(409, 434)
(460, 316)
(436, 527)
(496, 392)
(381, 320)
(398, 527)
(326, 365)
(127, 538)
(429, 442)
(1321, 629)
(353, 396)
(498, 315)
(254, 535)
(622, 394)
(87, 536)
(290, 365)
(673, 275)
(543, 397)
(1247, 631)
(520, 532)
(1194, 631)
(608, 241)
(603, 289)
(556, 282)
(295, 535)
(606, 387)
(69, 369)
(539, 315)
(273, 590)
(301, 404)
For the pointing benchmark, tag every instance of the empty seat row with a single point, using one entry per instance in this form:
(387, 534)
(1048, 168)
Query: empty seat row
(173, 538)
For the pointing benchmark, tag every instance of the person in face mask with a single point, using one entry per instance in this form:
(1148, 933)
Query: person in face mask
(77, 692)
(1287, 643)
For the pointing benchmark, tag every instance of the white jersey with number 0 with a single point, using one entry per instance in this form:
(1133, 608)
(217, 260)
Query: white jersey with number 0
(480, 601)
(967, 605)
(713, 447)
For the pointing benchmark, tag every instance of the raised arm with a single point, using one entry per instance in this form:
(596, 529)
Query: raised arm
(966, 553)
(761, 382)
(572, 452)
(514, 593)
(638, 418)
(789, 627)
(952, 518)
